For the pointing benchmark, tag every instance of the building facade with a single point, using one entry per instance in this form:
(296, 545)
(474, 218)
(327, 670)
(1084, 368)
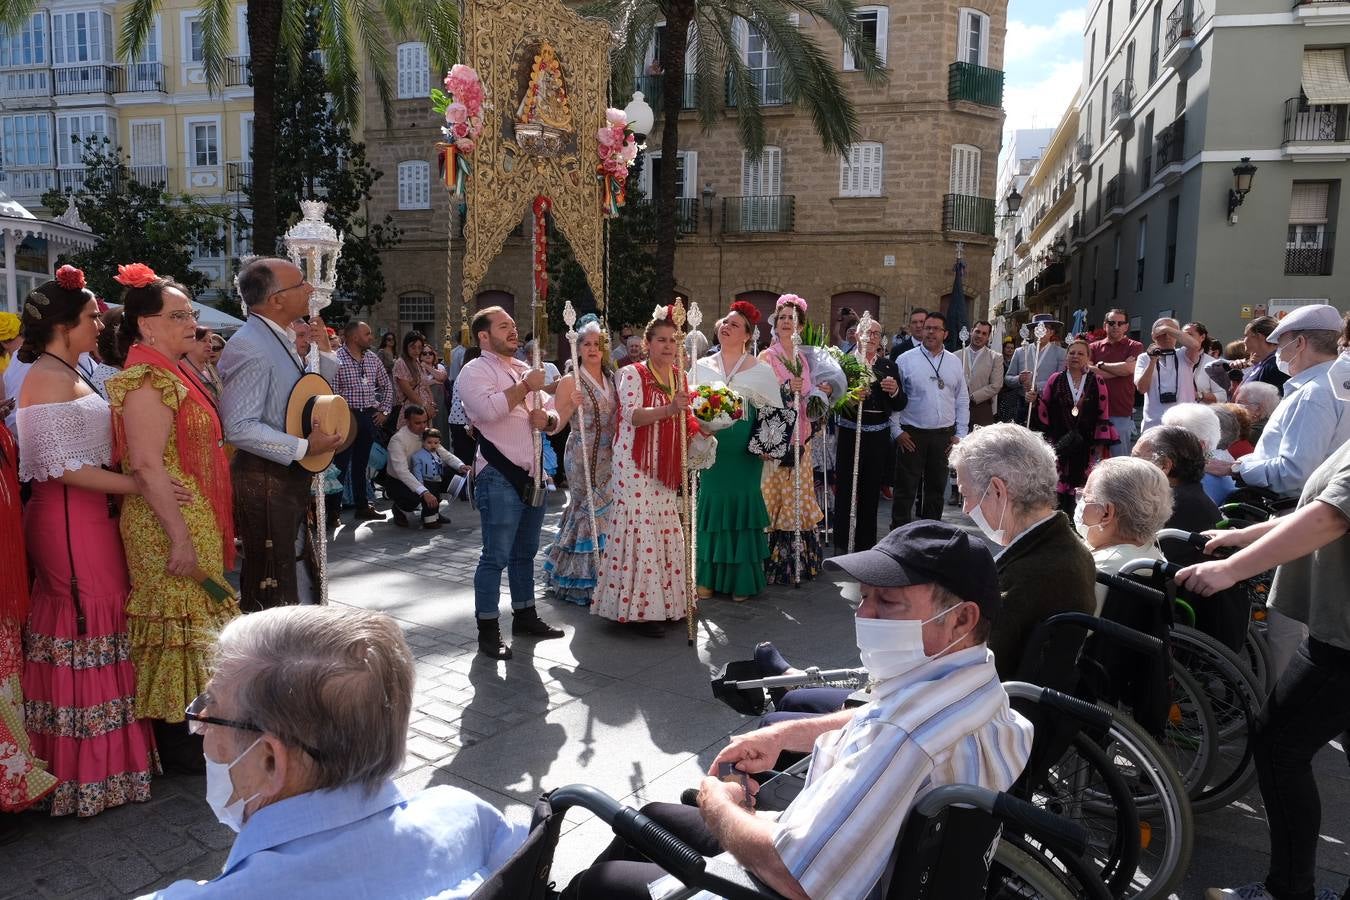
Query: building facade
(62, 81)
(877, 230)
(1016, 163)
(1176, 96)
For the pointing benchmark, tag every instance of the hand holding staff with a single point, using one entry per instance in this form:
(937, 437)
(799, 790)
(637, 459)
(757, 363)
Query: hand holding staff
(1035, 367)
(570, 318)
(860, 351)
(797, 452)
(681, 383)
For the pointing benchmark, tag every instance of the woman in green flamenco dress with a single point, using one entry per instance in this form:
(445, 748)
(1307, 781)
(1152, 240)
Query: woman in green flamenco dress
(732, 539)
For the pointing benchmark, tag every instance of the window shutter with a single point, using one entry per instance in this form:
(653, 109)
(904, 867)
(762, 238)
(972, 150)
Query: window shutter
(749, 175)
(883, 15)
(414, 79)
(965, 174)
(773, 177)
(1308, 205)
(846, 163)
(689, 162)
(872, 170)
(414, 185)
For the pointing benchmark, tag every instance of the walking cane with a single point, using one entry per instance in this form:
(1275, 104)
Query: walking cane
(797, 455)
(570, 318)
(681, 382)
(864, 323)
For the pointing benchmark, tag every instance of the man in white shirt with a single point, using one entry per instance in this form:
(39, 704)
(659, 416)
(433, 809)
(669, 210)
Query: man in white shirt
(1165, 375)
(984, 374)
(413, 497)
(936, 417)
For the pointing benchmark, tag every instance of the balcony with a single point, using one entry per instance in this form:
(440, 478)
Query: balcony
(964, 214)
(975, 84)
(1323, 12)
(1122, 101)
(1082, 156)
(27, 185)
(1113, 200)
(652, 87)
(758, 214)
(238, 177)
(1052, 275)
(1313, 131)
(1180, 37)
(686, 213)
(70, 181)
(1076, 230)
(767, 85)
(84, 80)
(1169, 151)
(25, 89)
(237, 73)
(1315, 259)
(140, 78)
(149, 175)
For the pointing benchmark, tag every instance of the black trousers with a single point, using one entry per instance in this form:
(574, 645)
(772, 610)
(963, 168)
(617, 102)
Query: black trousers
(271, 501)
(873, 462)
(406, 501)
(462, 444)
(1309, 706)
(925, 465)
(356, 459)
(622, 873)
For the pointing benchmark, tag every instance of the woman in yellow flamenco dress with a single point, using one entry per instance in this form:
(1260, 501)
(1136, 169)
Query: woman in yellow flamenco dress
(167, 429)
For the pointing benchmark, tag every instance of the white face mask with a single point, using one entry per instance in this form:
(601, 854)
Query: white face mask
(1284, 364)
(894, 647)
(1078, 524)
(219, 788)
(994, 533)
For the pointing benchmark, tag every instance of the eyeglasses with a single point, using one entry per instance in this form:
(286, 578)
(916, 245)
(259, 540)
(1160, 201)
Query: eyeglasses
(1116, 322)
(197, 723)
(300, 283)
(178, 316)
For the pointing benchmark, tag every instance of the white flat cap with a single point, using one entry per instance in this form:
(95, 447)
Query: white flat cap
(1315, 317)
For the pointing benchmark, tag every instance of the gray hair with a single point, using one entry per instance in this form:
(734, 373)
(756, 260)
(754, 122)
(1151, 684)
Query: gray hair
(1199, 420)
(256, 281)
(1021, 458)
(1264, 395)
(1228, 425)
(1139, 492)
(334, 679)
(1320, 341)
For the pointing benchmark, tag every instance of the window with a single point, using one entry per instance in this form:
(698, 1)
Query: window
(1096, 262)
(762, 61)
(241, 24)
(73, 131)
(147, 144)
(26, 140)
(762, 204)
(1092, 56)
(686, 174)
(973, 38)
(416, 311)
(1156, 32)
(1146, 154)
(1140, 252)
(414, 72)
(1170, 261)
(1179, 106)
(1129, 62)
(81, 37)
(1308, 244)
(1110, 10)
(871, 22)
(25, 47)
(1101, 138)
(196, 41)
(965, 173)
(414, 184)
(860, 172)
(203, 143)
(1115, 266)
(150, 49)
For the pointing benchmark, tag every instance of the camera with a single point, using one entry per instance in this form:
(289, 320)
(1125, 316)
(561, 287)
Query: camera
(1159, 351)
(1167, 397)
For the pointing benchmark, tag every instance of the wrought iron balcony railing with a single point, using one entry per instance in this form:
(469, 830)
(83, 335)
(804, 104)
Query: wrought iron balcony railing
(966, 214)
(767, 84)
(140, 77)
(1309, 123)
(84, 80)
(237, 72)
(653, 91)
(1310, 260)
(765, 213)
(976, 84)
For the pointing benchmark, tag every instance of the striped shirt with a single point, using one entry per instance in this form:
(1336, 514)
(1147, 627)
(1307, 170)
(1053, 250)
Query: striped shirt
(363, 383)
(482, 386)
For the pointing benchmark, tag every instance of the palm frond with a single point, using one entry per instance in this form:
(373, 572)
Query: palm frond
(338, 42)
(291, 38)
(839, 15)
(713, 50)
(14, 13)
(140, 18)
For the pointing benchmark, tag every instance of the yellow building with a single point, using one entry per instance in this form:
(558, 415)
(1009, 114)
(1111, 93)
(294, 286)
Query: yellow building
(61, 81)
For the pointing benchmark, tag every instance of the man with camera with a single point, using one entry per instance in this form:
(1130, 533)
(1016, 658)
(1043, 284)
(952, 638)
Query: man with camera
(504, 400)
(1165, 375)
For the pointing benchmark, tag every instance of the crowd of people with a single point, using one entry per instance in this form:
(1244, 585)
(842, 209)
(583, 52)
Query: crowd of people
(145, 456)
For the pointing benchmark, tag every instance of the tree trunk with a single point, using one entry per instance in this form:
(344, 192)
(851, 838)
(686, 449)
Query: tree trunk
(264, 24)
(673, 45)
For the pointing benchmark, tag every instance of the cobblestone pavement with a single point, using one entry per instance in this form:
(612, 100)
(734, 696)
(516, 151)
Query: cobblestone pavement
(628, 714)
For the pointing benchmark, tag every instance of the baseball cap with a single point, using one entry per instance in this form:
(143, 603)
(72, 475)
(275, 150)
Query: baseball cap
(928, 552)
(1315, 317)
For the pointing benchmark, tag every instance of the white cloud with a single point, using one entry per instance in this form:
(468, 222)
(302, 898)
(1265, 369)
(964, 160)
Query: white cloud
(1041, 103)
(1026, 41)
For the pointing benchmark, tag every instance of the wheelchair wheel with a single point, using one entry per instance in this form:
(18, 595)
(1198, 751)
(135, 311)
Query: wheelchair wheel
(1191, 735)
(1017, 873)
(1233, 693)
(1166, 822)
(1256, 654)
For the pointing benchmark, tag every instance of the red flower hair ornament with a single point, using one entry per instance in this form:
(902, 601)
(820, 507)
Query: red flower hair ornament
(135, 275)
(747, 310)
(70, 278)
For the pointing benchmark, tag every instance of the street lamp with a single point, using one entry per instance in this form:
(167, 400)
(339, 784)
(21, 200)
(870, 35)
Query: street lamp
(641, 119)
(1243, 173)
(1013, 202)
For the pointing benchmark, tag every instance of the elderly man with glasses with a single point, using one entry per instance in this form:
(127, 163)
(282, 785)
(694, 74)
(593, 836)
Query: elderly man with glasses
(1113, 359)
(305, 724)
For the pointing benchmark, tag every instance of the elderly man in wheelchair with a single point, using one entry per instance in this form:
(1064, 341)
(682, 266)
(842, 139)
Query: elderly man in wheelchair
(938, 715)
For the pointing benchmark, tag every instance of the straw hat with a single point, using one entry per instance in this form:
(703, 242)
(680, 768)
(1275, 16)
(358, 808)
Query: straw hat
(312, 400)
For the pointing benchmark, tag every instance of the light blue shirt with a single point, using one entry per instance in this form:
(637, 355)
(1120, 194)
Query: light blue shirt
(1048, 362)
(931, 406)
(345, 844)
(1307, 427)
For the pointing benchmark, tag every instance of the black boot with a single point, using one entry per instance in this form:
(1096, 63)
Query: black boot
(527, 621)
(490, 642)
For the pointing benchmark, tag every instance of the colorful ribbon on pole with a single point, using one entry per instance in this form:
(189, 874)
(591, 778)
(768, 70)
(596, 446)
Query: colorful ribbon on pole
(541, 207)
(453, 166)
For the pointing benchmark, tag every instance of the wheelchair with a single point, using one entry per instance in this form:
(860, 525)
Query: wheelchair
(950, 846)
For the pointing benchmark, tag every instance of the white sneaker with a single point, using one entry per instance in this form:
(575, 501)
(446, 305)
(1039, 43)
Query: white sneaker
(1254, 891)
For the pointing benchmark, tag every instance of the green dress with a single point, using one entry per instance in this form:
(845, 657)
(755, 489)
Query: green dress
(732, 520)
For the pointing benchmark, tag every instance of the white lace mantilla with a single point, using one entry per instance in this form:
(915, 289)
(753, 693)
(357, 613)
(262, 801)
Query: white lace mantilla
(55, 438)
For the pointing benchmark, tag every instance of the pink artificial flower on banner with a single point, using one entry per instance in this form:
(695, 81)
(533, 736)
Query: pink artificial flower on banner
(456, 113)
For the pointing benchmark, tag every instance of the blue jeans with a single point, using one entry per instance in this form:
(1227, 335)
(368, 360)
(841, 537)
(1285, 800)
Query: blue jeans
(1125, 428)
(510, 541)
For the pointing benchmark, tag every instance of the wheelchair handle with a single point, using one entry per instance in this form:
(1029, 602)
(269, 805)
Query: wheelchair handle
(811, 676)
(1255, 512)
(1114, 631)
(659, 845)
(1195, 539)
(1158, 567)
(1039, 824)
(1089, 714)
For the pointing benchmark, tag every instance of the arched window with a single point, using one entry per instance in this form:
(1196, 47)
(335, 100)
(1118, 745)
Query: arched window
(414, 184)
(414, 72)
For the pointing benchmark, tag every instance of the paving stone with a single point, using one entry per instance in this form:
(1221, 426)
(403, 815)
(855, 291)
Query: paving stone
(63, 878)
(212, 834)
(428, 749)
(128, 871)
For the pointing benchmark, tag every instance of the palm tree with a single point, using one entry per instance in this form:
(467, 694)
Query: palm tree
(276, 32)
(717, 29)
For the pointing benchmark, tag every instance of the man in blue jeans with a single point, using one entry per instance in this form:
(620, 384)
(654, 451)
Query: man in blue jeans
(503, 399)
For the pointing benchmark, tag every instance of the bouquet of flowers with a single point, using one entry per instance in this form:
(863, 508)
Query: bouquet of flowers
(462, 105)
(716, 406)
(618, 149)
(859, 380)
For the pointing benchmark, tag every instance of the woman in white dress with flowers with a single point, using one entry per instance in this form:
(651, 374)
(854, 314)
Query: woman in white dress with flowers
(642, 570)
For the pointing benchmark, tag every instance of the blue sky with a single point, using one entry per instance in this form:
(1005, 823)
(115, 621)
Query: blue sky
(1042, 60)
